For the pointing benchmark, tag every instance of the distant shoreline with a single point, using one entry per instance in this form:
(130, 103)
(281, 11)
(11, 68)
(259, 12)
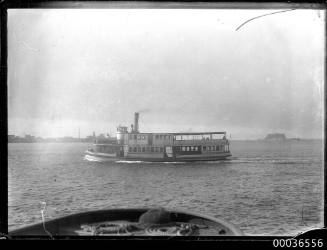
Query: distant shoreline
(274, 141)
(231, 140)
(53, 142)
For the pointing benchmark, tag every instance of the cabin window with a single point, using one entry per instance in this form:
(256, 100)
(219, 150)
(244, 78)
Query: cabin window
(152, 149)
(217, 148)
(143, 137)
(161, 149)
(204, 148)
(130, 149)
(143, 149)
(157, 137)
(135, 137)
(138, 149)
(157, 149)
(134, 149)
(183, 148)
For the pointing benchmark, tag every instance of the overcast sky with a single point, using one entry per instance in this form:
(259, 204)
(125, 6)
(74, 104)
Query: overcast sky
(185, 70)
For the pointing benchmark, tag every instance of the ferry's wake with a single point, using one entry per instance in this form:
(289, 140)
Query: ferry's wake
(90, 158)
(148, 162)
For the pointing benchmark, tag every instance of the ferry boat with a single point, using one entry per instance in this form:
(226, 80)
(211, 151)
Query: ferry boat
(159, 147)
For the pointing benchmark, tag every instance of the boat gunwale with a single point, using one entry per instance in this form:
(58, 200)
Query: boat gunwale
(181, 158)
(56, 221)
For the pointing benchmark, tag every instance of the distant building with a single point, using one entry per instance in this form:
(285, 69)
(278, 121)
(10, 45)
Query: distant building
(275, 137)
(29, 138)
(12, 138)
(101, 136)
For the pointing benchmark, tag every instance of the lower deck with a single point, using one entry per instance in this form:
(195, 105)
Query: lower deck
(181, 151)
(95, 156)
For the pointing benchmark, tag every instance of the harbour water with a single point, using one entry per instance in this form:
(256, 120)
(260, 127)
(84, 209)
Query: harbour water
(266, 188)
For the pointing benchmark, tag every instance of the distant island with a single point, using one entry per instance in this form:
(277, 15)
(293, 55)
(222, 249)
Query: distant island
(279, 137)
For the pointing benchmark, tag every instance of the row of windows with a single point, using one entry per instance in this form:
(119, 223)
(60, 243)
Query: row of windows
(137, 137)
(182, 148)
(163, 137)
(204, 148)
(213, 148)
(191, 148)
(144, 137)
(146, 149)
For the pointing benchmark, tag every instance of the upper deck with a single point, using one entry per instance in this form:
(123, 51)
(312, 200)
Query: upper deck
(166, 139)
(135, 138)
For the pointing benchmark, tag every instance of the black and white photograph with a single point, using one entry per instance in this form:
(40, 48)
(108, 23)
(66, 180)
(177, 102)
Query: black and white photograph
(168, 120)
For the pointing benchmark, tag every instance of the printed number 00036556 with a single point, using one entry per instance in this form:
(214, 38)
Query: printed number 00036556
(298, 243)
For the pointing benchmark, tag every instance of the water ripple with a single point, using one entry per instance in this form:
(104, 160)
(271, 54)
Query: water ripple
(265, 190)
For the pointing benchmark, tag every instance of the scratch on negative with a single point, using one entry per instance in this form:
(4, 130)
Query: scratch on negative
(42, 213)
(262, 16)
(26, 45)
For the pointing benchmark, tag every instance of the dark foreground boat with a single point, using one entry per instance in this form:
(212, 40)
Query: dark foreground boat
(132, 222)
(159, 147)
